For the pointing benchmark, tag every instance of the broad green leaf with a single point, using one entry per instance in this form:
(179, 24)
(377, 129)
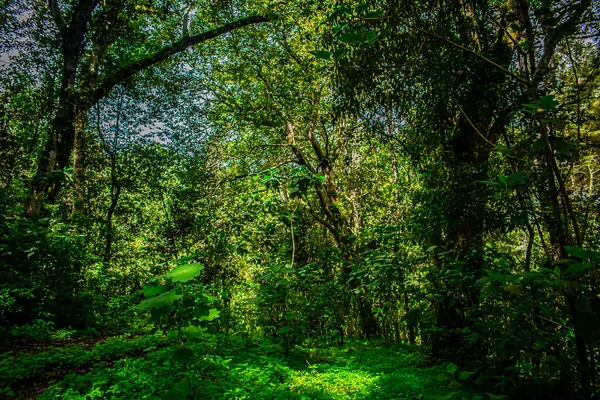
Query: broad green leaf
(193, 331)
(323, 55)
(371, 36)
(538, 145)
(582, 253)
(350, 38)
(454, 385)
(184, 273)
(495, 276)
(284, 330)
(547, 102)
(442, 378)
(153, 288)
(213, 313)
(579, 267)
(451, 368)
(462, 375)
(361, 8)
(516, 178)
(201, 311)
(179, 391)
(337, 55)
(164, 299)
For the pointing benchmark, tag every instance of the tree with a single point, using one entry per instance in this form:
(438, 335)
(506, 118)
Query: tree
(94, 59)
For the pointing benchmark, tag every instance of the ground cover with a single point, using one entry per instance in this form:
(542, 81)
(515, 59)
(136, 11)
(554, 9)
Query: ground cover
(154, 367)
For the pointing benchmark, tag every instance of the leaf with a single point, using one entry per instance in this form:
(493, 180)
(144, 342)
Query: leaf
(179, 391)
(582, 253)
(201, 311)
(350, 38)
(579, 267)
(284, 330)
(516, 178)
(495, 276)
(563, 147)
(322, 54)
(152, 289)
(371, 36)
(547, 102)
(182, 355)
(213, 313)
(162, 300)
(337, 55)
(451, 368)
(454, 385)
(184, 273)
(193, 331)
(441, 377)
(538, 145)
(462, 375)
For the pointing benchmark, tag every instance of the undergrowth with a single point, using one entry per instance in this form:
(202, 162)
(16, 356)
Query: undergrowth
(141, 369)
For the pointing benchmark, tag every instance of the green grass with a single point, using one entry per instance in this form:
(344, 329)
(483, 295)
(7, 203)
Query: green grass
(141, 369)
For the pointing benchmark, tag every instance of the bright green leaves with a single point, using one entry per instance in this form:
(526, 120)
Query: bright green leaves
(508, 182)
(204, 313)
(543, 104)
(348, 31)
(451, 368)
(184, 273)
(518, 178)
(162, 300)
(453, 378)
(153, 289)
(302, 181)
(177, 300)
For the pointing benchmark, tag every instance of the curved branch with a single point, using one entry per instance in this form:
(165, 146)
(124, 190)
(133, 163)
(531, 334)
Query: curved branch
(182, 44)
(57, 16)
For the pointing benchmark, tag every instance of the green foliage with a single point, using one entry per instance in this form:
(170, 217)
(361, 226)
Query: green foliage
(177, 300)
(262, 373)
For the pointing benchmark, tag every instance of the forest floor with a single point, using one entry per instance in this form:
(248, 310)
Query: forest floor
(149, 367)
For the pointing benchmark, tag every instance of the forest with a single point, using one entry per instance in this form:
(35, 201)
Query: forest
(300, 199)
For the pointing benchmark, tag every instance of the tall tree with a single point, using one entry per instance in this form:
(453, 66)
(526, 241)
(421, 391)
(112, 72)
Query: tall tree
(94, 59)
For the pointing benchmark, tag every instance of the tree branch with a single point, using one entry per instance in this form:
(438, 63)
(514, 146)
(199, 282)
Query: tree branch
(466, 49)
(57, 16)
(182, 44)
(556, 34)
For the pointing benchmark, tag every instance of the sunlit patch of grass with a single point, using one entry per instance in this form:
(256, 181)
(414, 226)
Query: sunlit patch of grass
(336, 383)
(355, 371)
